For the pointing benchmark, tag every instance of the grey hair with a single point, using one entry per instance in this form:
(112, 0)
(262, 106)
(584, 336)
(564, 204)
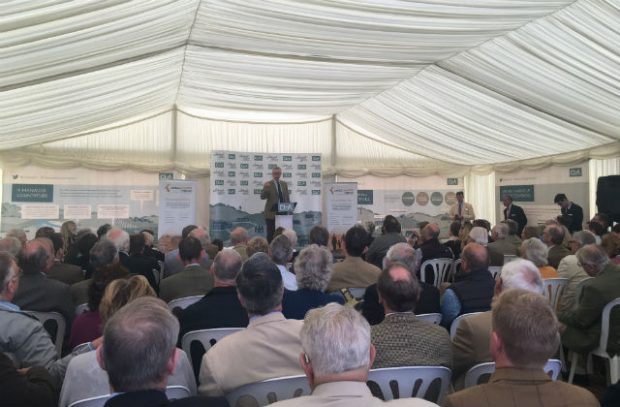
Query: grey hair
(336, 339)
(227, 264)
(292, 236)
(593, 255)
(11, 245)
(314, 267)
(535, 251)
(401, 253)
(584, 237)
(479, 235)
(7, 271)
(18, 234)
(119, 237)
(523, 274)
(104, 252)
(281, 249)
(148, 238)
(502, 230)
(138, 341)
(238, 235)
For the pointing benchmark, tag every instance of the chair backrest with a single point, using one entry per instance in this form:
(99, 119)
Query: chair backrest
(207, 338)
(434, 318)
(54, 323)
(270, 391)
(457, 321)
(427, 382)
(181, 303)
(177, 391)
(441, 269)
(480, 373)
(456, 267)
(81, 308)
(495, 271)
(553, 290)
(605, 323)
(509, 257)
(357, 292)
(173, 392)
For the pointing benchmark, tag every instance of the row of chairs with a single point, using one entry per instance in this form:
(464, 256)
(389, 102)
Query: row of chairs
(443, 270)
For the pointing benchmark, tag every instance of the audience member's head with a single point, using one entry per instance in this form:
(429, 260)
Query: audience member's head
(479, 235)
(430, 232)
(238, 236)
(139, 346)
(103, 276)
(596, 228)
(580, 239)
(257, 244)
(390, 225)
(68, 232)
(103, 253)
(553, 235)
(281, 250)
(401, 253)
(103, 230)
(319, 236)
(519, 273)
(259, 285)
(149, 238)
(201, 235)
(18, 234)
(355, 241)
(535, 251)
(474, 258)
(592, 258)
(187, 230)
(219, 243)
(37, 256)
(603, 219)
(190, 250)
(399, 290)
(122, 291)
(58, 245)
(524, 330)
(44, 231)
(482, 223)
(9, 277)
(226, 266)
(530, 232)
(137, 244)
(292, 237)
(11, 245)
(513, 227)
(455, 228)
(336, 345)
(120, 238)
(611, 244)
(313, 268)
(500, 231)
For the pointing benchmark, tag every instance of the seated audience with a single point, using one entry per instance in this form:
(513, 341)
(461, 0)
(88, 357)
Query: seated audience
(85, 378)
(353, 271)
(63, 272)
(12, 246)
(597, 230)
(336, 355)
(292, 236)
(79, 253)
(44, 231)
(239, 241)
(473, 291)
(257, 244)
(536, 251)
(390, 235)
(553, 237)
(194, 279)
(430, 248)
(500, 241)
(470, 345)
(281, 252)
(582, 326)
(140, 357)
(454, 243)
(524, 336)
(402, 339)
(219, 244)
(149, 248)
(319, 235)
(173, 263)
(571, 269)
(18, 234)
(530, 232)
(102, 230)
(428, 303)
(269, 347)
(68, 233)
(513, 233)
(480, 236)
(314, 269)
(139, 263)
(33, 388)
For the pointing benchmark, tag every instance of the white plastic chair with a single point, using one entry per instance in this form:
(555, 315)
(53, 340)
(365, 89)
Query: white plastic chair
(457, 321)
(456, 267)
(177, 391)
(81, 308)
(58, 319)
(411, 381)
(553, 290)
(510, 257)
(270, 391)
(357, 292)
(476, 375)
(495, 271)
(434, 318)
(173, 392)
(441, 270)
(207, 337)
(183, 302)
(614, 361)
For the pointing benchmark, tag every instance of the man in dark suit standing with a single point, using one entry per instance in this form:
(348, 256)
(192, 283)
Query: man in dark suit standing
(275, 192)
(571, 212)
(514, 212)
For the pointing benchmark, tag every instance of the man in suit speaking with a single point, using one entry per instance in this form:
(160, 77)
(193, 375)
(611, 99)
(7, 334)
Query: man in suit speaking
(514, 212)
(275, 192)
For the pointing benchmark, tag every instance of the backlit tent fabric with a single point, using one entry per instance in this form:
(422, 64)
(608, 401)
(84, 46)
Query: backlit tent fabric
(378, 87)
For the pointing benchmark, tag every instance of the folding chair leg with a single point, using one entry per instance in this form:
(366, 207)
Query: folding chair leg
(614, 370)
(573, 366)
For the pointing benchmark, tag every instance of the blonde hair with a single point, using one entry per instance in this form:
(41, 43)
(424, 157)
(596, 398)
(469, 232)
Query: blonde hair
(121, 292)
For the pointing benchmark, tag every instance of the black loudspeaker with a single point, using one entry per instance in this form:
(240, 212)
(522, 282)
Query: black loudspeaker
(608, 196)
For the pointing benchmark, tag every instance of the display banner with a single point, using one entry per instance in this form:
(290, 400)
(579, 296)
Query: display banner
(177, 205)
(236, 183)
(340, 206)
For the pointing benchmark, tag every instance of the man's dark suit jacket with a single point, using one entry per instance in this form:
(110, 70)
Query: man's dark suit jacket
(373, 311)
(295, 304)
(518, 215)
(66, 273)
(575, 213)
(157, 398)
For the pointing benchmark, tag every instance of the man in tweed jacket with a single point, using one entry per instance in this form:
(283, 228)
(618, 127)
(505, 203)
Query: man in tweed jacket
(402, 339)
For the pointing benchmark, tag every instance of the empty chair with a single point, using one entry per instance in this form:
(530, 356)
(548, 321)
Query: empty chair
(457, 321)
(440, 269)
(553, 289)
(495, 271)
(613, 367)
(205, 337)
(54, 323)
(427, 382)
(81, 308)
(434, 318)
(179, 304)
(509, 257)
(270, 391)
(480, 373)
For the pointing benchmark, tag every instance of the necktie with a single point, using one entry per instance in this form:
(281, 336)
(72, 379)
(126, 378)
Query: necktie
(280, 196)
(460, 209)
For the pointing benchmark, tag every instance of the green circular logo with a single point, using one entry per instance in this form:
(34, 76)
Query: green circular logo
(408, 198)
(436, 198)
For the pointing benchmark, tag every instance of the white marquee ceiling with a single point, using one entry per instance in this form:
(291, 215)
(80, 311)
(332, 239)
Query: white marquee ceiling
(384, 86)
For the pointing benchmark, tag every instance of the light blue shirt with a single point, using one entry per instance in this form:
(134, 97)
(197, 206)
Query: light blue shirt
(450, 307)
(9, 306)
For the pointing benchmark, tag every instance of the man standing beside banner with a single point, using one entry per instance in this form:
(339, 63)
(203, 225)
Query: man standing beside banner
(275, 192)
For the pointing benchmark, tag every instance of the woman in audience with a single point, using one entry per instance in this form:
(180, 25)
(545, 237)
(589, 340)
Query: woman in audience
(84, 378)
(536, 251)
(530, 232)
(611, 245)
(464, 234)
(78, 253)
(257, 244)
(313, 268)
(68, 231)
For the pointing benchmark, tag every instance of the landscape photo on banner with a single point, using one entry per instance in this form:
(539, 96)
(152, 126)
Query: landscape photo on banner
(236, 183)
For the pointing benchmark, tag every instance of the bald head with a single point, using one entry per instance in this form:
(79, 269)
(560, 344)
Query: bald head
(399, 290)
(226, 266)
(238, 236)
(430, 231)
(475, 257)
(37, 256)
